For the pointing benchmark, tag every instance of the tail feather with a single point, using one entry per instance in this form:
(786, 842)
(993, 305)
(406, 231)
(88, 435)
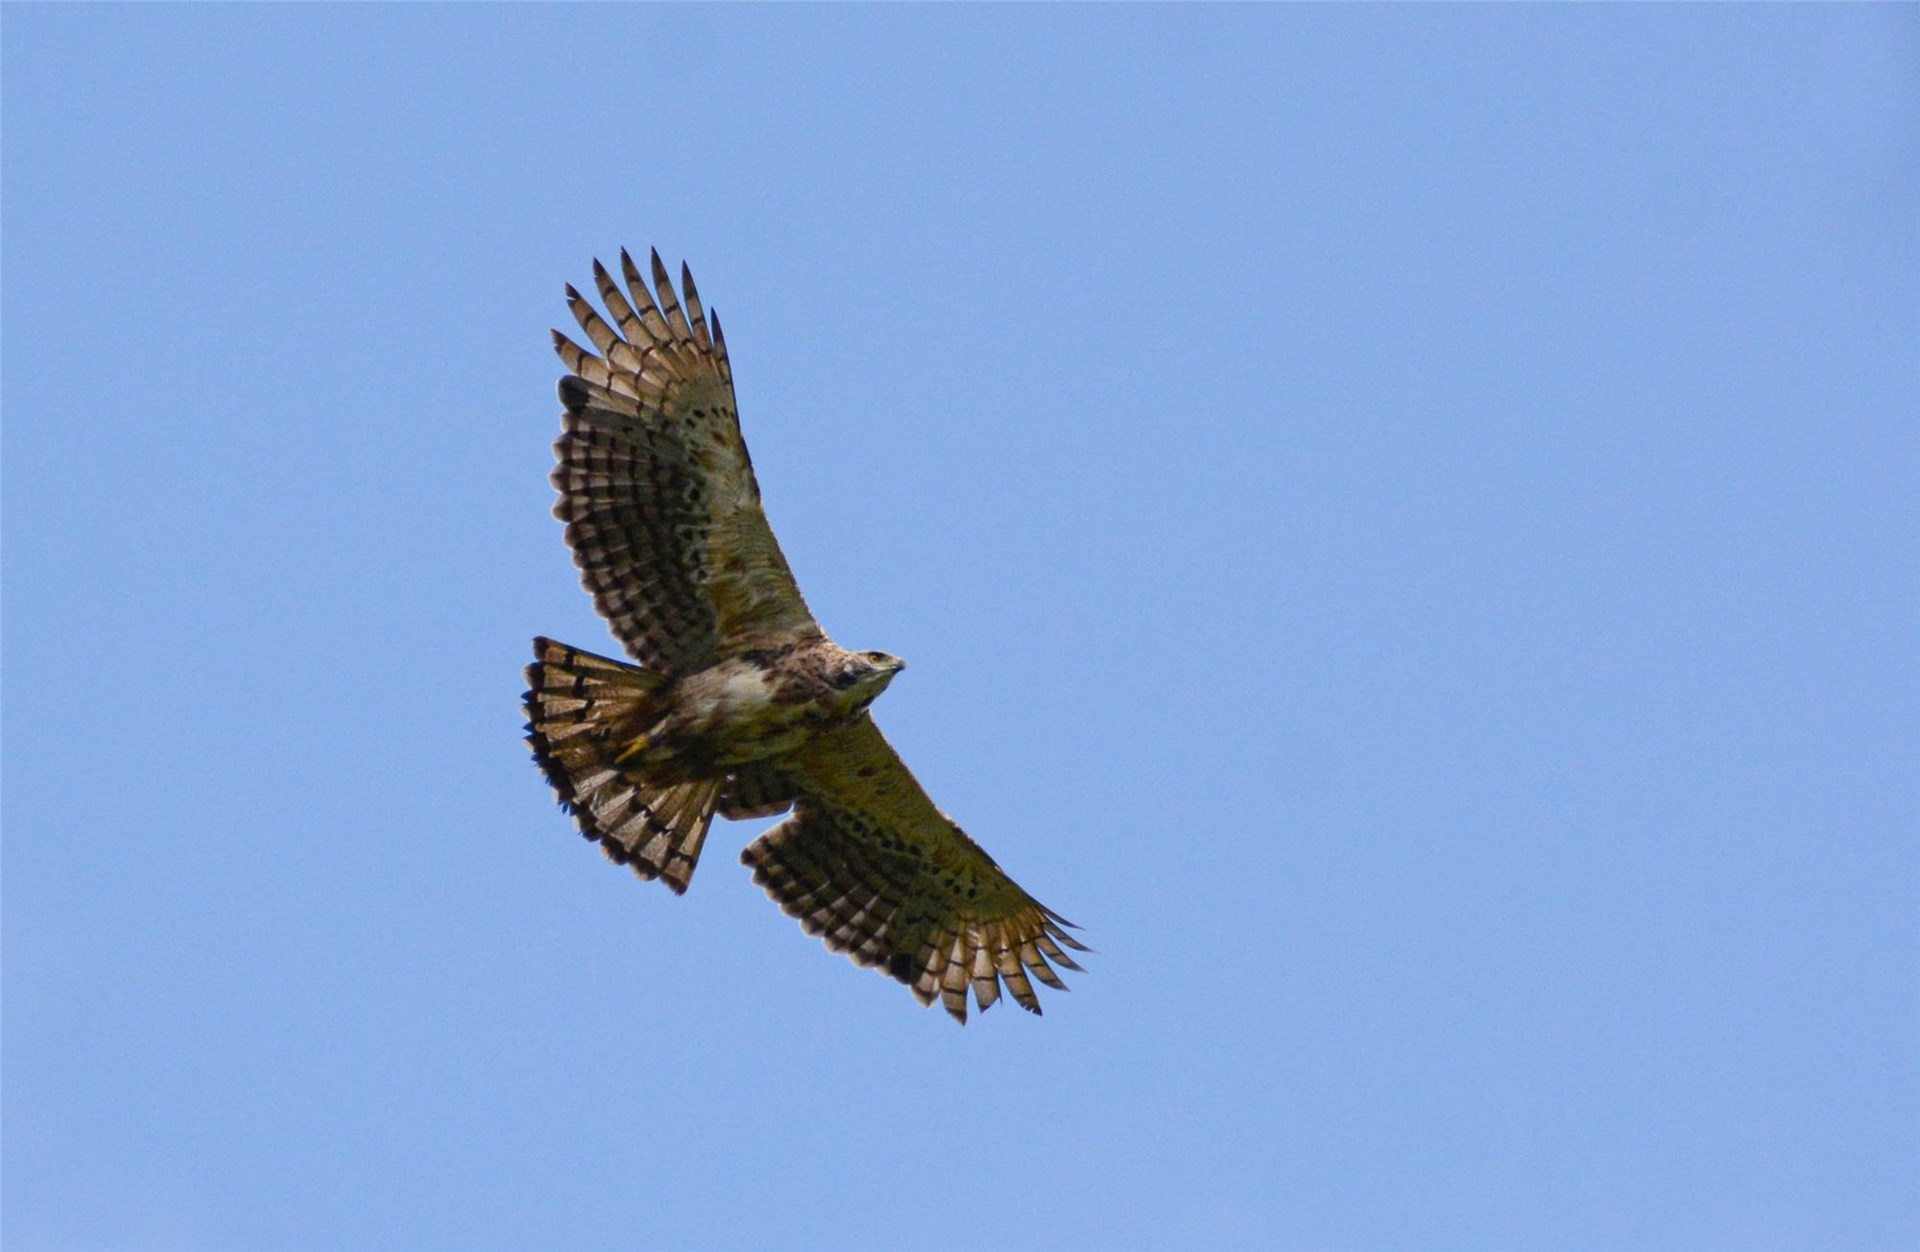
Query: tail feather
(583, 712)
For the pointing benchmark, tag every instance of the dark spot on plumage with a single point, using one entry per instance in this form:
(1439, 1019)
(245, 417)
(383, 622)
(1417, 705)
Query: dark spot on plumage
(573, 392)
(900, 967)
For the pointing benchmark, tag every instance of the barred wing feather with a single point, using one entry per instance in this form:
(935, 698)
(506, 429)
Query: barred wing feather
(656, 488)
(868, 863)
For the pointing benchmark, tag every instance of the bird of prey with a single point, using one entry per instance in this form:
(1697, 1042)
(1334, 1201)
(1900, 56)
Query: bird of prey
(740, 704)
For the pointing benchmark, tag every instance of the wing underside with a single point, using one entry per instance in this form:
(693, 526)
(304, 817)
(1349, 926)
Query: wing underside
(867, 863)
(656, 488)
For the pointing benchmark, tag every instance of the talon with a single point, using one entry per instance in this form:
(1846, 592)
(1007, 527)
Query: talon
(634, 749)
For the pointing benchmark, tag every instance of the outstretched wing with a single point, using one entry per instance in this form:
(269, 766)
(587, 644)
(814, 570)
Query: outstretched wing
(658, 494)
(871, 866)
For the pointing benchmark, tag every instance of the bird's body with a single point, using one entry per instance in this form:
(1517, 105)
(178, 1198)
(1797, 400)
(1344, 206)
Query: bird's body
(740, 704)
(743, 709)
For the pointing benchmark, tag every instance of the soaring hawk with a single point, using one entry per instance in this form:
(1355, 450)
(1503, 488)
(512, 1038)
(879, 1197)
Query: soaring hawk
(740, 703)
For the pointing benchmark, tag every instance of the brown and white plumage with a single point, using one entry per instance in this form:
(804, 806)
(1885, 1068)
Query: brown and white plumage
(868, 863)
(578, 705)
(741, 705)
(662, 510)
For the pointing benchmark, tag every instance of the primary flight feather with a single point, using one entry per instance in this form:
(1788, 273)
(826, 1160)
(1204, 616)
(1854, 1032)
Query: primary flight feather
(741, 705)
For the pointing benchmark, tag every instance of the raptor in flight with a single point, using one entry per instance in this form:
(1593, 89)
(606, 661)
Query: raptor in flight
(740, 704)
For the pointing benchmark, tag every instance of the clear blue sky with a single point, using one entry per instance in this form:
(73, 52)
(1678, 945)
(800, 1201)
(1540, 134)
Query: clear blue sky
(1402, 520)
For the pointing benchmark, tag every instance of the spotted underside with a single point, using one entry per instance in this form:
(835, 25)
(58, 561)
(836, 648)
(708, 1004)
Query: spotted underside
(656, 488)
(867, 863)
(663, 515)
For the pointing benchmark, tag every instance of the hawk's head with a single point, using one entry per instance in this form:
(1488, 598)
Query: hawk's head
(884, 661)
(864, 675)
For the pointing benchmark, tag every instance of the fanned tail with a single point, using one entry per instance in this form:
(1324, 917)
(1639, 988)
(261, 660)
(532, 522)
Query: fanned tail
(584, 712)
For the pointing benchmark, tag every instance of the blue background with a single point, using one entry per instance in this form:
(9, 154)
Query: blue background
(1402, 521)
